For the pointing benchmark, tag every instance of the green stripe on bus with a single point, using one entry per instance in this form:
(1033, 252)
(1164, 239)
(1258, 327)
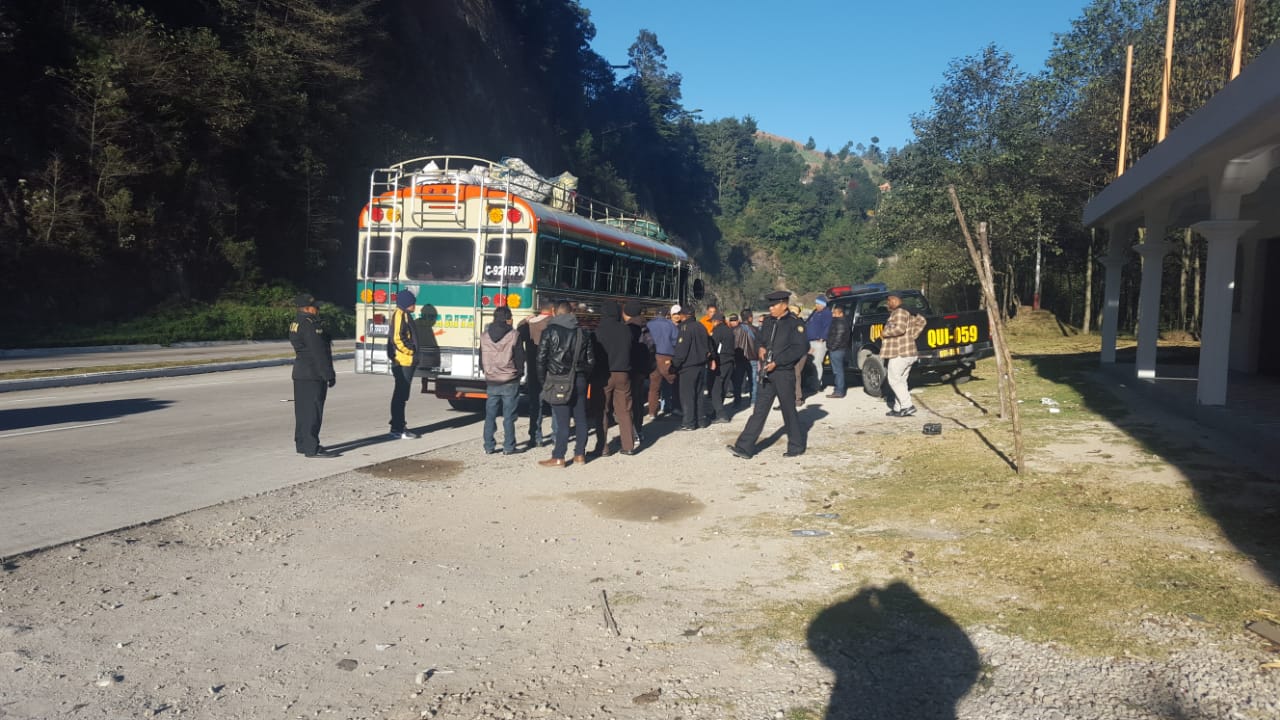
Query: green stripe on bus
(440, 294)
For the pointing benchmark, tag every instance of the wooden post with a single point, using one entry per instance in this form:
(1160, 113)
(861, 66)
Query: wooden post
(1088, 285)
(1168, 70)
(1124, 111)
(981, 257)
(1237, 51)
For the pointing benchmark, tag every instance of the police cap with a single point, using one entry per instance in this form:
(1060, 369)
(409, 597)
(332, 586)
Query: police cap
(778, 296)
(304, 300)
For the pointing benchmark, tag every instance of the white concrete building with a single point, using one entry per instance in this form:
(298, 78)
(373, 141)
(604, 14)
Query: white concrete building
(1214, 173)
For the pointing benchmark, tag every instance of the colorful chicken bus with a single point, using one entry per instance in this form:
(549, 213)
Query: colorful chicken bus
(468, 235)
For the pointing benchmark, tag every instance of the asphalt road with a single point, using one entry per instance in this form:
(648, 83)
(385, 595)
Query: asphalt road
(79, 461)
(90, 359)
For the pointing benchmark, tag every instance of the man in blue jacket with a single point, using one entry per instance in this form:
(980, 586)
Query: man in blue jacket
(816, 329)
(662, 380)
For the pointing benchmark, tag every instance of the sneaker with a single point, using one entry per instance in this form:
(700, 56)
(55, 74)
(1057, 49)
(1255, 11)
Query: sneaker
(836, 395)
(404, 435)
(321, 453)
(907, 411)
(738, 453)
(894, 413)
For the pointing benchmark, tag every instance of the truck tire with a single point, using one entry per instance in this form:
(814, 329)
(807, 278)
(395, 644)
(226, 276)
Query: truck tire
(873, 376)
(468, 405)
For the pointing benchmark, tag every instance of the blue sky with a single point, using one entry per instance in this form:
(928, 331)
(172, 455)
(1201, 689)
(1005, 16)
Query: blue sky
(836, 70)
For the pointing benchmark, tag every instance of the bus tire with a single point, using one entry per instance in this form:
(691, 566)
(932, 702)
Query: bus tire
(873, 376)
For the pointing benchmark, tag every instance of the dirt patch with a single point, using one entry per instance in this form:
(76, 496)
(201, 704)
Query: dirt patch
(416, 469)
(641, 505)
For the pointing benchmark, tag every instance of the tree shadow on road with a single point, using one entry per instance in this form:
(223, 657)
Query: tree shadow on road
(894, 656)
(25, 418)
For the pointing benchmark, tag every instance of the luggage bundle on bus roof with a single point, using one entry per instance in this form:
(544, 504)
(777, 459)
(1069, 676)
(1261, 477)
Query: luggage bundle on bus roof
(514, 174)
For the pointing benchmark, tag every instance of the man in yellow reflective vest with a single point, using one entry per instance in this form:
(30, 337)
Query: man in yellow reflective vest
(402, 350)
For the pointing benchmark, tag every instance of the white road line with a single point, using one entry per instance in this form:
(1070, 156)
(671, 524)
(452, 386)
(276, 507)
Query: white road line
(18, 400)
(57, 429)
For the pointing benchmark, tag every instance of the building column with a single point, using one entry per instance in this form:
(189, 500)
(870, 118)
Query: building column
(1152, 249)
(1114, 262)
(1222, 237)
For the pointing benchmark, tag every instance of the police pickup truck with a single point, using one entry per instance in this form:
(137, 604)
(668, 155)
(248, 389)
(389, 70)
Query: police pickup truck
(949, 345)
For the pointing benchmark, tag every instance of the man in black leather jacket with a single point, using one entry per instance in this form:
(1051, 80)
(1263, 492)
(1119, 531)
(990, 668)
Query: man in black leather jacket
(567, 348)
(839, 343)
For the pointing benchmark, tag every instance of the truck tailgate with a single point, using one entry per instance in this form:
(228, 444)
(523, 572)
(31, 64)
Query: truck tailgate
(955, 334)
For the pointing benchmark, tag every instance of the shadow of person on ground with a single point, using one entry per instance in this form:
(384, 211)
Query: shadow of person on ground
(894, 656)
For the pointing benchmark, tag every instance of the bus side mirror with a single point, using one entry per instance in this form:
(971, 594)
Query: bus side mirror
(699, 289)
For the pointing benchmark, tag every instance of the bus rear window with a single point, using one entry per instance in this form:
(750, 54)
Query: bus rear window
(449, 259)
(379, 257)
(516, 267)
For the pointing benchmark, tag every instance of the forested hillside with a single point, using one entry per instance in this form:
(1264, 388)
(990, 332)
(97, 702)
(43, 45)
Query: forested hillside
(157, 153)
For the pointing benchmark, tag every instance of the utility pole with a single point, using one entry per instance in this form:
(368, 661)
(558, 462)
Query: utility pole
(1035, 298)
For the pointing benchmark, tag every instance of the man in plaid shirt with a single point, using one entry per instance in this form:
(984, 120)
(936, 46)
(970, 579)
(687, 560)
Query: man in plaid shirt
(898, 351)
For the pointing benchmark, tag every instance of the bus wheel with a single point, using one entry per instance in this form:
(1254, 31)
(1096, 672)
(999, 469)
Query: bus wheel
(468, 405)
(873, 376)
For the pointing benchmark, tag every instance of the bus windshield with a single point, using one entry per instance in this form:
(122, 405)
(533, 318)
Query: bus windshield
(436, 257)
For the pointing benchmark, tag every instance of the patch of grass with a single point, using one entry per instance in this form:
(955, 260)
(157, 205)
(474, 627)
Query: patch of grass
(1084, 553)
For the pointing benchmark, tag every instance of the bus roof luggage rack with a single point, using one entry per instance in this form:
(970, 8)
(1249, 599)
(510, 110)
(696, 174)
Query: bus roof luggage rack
(516, 177)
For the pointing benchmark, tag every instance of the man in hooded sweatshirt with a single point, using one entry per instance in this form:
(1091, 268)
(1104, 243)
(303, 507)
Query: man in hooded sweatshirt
(566, 349)
(502, 360)
(402, 350)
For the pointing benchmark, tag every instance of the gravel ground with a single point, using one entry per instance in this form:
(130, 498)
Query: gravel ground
(459, 585)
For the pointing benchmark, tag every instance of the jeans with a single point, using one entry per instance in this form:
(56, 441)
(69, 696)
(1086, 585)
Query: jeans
(837, 369)
(404, 383)
(507, 396)
(536, 407)
(560, 422)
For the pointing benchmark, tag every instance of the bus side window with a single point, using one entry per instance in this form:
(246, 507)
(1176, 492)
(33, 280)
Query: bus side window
(646, 279)
(587, 270)
(548, 258)
(635, 277)
(567, 272)
(604, 273)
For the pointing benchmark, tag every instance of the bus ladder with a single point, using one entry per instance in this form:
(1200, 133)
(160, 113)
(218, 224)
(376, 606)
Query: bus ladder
(482, 247)
(381, 182)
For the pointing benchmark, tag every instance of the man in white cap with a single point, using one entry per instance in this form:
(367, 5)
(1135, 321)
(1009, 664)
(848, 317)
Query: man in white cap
(816, 328)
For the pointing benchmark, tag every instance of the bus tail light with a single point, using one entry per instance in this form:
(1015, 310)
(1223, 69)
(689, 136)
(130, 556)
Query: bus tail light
(513, 300)
(375, 213)
(484, 300)
(514, 215)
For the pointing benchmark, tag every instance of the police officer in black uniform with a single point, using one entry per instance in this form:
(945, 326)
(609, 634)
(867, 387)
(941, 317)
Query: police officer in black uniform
(690, 363)
(782, 344)
(312, 377)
